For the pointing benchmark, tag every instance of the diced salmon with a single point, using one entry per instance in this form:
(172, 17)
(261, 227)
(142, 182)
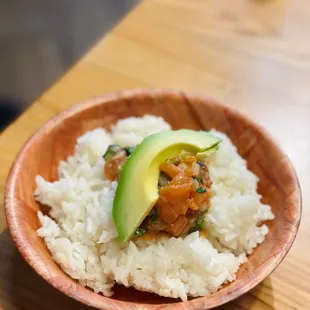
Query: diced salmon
(178, 226)
(190, 159)
(182, 167)
(166, 213)
(192, 204)
(185, 169)
(176, 191)
(199, 198)
(113, 166)
(170, 169)
(180, 179)
(179, 204)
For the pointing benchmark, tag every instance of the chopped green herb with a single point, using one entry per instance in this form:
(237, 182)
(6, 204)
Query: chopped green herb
(139, 232)
(201, 190)
(154, 214)
(199, 222)
(111, 151)
(129, 150)
(198, 179)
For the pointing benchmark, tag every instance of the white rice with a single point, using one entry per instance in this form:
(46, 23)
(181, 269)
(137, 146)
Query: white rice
(80, 233)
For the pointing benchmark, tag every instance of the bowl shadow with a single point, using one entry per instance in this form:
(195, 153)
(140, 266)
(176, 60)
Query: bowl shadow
(22, 288)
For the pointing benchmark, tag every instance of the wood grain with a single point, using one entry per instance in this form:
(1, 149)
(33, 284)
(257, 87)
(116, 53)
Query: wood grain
(56, 140)
(253, 55)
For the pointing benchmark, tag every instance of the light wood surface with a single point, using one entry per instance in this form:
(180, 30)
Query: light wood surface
(252, 55)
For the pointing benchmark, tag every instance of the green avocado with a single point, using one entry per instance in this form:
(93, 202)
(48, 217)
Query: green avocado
(137, 190)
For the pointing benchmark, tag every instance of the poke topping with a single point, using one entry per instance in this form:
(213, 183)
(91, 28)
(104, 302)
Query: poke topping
(115, 158)
(139, 232)
(184, 197)
(183, 188)
(114, 164)
(201, 190)
(161, 188)
(129, 150)
(112, 150)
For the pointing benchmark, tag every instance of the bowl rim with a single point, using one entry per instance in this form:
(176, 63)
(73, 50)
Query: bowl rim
(196, 303)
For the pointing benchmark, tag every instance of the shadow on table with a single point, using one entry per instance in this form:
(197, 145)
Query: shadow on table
(10, 109)
(251, 301)
(21, 288)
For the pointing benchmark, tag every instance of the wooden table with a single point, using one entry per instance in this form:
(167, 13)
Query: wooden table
(253, 55)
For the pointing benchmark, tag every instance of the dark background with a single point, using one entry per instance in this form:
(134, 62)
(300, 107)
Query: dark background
(41, 39)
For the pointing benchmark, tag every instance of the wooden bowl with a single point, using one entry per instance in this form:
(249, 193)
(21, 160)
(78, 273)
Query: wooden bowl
(56, 139)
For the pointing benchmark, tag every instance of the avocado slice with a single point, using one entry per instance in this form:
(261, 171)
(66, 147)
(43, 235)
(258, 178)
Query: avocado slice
(203, 155)
(137, 190)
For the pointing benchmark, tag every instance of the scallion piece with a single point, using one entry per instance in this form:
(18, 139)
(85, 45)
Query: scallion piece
(201, 190)
(199, 222)
(154, 214)
(139, 232)
(111, 151)
(129, 150)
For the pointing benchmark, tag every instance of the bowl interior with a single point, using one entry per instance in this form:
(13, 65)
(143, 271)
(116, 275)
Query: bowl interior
(55, 141)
